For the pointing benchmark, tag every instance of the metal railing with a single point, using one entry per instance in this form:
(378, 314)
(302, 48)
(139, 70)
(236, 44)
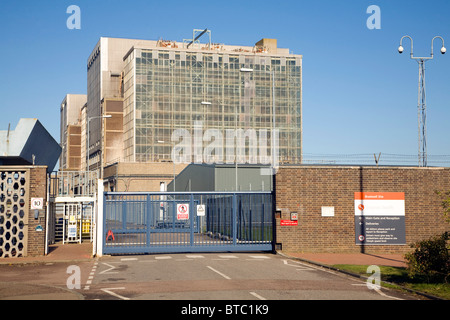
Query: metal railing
(373, 159)
(73, 184)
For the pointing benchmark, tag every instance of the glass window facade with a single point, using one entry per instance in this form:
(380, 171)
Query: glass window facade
(169, 89)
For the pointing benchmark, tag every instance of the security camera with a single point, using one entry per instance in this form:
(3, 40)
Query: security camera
(443, 50)
(400, 49)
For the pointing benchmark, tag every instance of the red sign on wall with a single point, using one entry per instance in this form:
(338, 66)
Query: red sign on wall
(288, 223)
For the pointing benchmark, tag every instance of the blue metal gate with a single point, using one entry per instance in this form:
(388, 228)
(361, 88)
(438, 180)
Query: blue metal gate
(175, 222)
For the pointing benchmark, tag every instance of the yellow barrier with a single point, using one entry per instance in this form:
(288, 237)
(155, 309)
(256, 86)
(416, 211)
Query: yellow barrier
(86, 226)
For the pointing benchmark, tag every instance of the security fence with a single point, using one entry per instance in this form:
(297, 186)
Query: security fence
(187, 222)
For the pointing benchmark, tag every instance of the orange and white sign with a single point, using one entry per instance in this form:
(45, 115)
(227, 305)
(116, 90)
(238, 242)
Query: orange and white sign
(379, 203)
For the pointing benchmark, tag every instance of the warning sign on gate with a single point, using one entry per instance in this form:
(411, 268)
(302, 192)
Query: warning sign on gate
(183, 211)
(201, 210)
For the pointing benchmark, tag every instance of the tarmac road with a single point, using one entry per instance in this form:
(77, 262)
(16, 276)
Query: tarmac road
(209, 276)
(215, 276)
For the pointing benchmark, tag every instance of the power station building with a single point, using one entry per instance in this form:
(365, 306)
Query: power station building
(140, 92)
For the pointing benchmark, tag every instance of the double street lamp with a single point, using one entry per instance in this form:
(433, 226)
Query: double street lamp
(421, 105)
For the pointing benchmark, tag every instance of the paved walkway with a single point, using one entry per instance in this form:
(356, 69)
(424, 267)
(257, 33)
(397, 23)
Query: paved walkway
(57, 253)
(394, 260)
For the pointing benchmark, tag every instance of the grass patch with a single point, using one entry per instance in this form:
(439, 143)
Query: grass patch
(433, 286)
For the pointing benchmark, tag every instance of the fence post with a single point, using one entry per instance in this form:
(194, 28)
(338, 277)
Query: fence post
(234, 224)
(124, 214)
(262, 219)
(149, 217)
(100, 218)
(191, 219)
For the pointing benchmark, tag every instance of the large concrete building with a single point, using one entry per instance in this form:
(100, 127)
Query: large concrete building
(141, 91)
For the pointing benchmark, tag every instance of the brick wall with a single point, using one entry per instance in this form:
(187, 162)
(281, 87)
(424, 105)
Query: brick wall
(306, 189)
(38, 189)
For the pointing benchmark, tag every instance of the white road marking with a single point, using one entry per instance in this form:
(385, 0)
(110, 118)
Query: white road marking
(377, 290)
(257, 296)
(385, 295)
(218, 272)
(108, 290)
(108, 270)
(297, 265)
(91, 276)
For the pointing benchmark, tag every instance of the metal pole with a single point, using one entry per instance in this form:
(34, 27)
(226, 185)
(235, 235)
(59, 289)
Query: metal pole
(87, 148)
(273, 119)
(421, 110)
(174, 175)
(421, 105)
(245, 70)
(236, 136)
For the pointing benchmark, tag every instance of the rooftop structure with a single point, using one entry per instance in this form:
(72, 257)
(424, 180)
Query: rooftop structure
(29, 143)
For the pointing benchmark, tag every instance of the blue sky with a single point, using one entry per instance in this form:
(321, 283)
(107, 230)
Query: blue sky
(359, 94)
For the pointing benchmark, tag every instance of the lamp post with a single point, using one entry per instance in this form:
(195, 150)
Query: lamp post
(242, 70)
(173, 161)
(273, 116)
(88, 138)
(421, 105)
